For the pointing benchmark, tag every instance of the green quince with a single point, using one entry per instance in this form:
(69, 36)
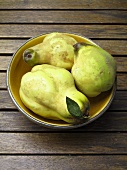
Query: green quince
(50, 92)
(94, 69)
(56, 49)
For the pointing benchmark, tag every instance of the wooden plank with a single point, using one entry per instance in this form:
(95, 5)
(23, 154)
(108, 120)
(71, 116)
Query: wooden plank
(114, 47)
(91, 31)
(121, 64)
(57, 4)
(63, 143)
(121, 81)
(4, 62)
(60, 16)
(119, 103)
(5, 100)
(120, 61)
(19, 122)
(2, 80)
(69, 162)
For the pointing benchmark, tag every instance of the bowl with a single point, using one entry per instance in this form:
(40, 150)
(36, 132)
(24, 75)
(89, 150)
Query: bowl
(17, 68)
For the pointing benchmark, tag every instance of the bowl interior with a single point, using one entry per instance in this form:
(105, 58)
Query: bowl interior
(18, 68)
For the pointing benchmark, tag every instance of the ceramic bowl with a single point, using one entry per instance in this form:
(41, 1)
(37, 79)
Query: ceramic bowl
(17, 68)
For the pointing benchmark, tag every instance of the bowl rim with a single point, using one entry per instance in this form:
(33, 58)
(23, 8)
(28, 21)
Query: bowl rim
(43, 123)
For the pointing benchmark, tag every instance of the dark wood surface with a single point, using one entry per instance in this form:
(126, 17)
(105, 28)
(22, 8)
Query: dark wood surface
(100, 145)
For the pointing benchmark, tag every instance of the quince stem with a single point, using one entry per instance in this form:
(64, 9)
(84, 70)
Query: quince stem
(75, 111)
(78, 45)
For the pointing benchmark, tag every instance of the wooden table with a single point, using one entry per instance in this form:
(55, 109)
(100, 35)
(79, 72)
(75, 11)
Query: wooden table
(100, 145)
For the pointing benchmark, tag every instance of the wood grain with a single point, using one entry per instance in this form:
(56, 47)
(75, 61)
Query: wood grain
(57, 4)
(91, 31)
(121, 64)
(4, 62)
(15, 121)
(119, 103)
(2, 80)
(83, 143)
(121, 81)
(114, 47)
(120, 61)
(70, 16)
(100, 145)
(64, 162)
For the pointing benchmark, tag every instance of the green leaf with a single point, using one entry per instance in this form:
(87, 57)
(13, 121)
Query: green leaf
(74, 108)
